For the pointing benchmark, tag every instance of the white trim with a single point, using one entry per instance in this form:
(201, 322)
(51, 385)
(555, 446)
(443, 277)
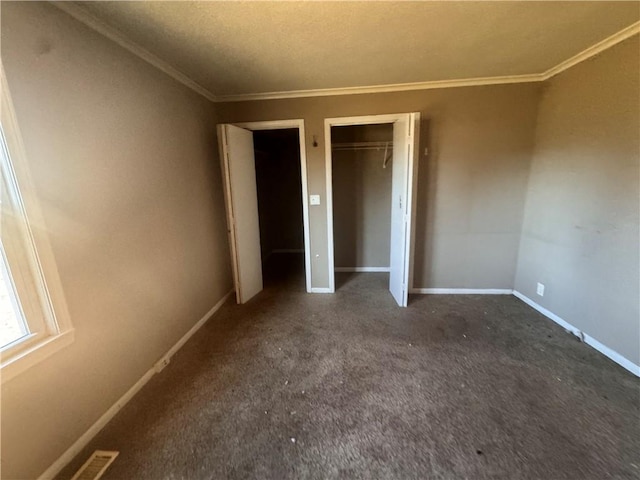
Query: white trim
(566, 325)
(321, 290)
(82, 442)
(413, 198)
(414, 118)
(612, 354)
(164, 361)
(328, 179)
(299, 124)
(363, 120)
(45, 268)
(461, 291)
(393, 87)
(361, 269)
(328, 123)
(593, 50)
(587, 53)
(226, 188)
(27, 358)
(114, 35)
(411, 203)
(589, 340)
(271, 124)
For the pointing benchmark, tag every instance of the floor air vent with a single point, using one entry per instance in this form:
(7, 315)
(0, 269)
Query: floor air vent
(95, 467)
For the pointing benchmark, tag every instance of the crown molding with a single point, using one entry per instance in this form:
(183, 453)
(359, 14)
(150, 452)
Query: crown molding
(114, 35)
(593, 50)
(396, 87)
(587, 53)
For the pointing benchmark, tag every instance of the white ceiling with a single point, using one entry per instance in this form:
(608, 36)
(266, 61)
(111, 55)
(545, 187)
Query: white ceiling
(236, 48)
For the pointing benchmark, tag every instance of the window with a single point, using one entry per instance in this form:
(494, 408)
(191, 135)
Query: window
(34, 322)
(13, 326)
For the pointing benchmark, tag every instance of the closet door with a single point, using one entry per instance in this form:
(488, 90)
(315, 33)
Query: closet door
(241, 198)
(404, 138)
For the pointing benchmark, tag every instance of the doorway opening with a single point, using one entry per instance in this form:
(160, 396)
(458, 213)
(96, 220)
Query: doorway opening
(371, 174)
(265, 184)
(279, 190)
(361, 166)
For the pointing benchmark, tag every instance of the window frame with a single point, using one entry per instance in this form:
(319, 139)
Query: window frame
(40, 292)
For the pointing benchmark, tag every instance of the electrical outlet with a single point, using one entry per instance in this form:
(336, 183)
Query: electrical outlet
(540, 289)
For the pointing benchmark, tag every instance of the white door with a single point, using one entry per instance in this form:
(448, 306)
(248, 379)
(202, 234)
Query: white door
(241, 198)
(402, 199)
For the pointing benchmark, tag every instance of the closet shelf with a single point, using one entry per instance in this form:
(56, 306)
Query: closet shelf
(361, 145)
(387, 146)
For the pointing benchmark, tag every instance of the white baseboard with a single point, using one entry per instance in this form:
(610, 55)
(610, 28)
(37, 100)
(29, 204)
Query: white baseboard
(589, 340)
(564, 324)
(462, 291)
(612, 354)
(83, 441)
(361, 269)
(320, 290)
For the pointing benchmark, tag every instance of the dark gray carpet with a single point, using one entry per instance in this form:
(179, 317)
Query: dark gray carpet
(296, 385)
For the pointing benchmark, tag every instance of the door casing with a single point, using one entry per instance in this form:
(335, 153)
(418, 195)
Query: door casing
(299, 125)
(413, 118)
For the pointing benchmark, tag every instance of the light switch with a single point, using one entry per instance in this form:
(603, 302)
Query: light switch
(314, 199)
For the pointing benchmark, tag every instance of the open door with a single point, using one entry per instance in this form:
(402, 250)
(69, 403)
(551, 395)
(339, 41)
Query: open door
(402, 200)
(241, 199)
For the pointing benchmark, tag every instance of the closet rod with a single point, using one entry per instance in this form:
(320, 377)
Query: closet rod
(361, 145)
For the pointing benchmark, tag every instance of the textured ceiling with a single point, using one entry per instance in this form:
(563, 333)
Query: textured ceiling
(254, 47)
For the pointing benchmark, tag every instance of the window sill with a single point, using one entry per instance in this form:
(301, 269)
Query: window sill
(25, 359)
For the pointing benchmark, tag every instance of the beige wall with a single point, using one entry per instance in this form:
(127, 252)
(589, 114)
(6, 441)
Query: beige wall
(361, 198)
(471, 187)
(123, 159)
(580, 235)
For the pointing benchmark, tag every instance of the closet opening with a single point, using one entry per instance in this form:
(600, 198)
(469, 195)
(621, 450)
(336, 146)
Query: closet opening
(280, 213)
(362, 167)
(371, 173)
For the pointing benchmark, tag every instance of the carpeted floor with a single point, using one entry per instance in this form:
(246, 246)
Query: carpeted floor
(295, 385)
